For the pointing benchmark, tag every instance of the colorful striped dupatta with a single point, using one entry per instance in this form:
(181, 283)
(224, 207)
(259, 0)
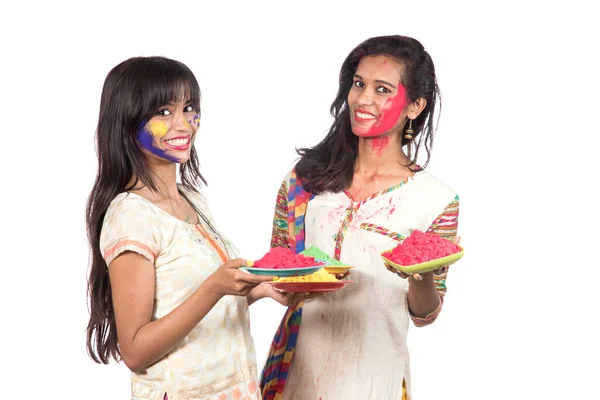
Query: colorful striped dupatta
(275, 371)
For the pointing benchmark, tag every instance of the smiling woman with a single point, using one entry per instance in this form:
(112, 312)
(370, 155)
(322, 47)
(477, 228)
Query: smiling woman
(355, 194)
(165, 290)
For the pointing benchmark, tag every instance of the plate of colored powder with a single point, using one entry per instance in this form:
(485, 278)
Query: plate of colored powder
(309, 287)
(282, 262)
(422, 252)
(332, 265)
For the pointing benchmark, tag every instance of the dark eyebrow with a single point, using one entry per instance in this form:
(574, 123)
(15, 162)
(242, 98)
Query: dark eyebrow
(377, 80)
(173, 103)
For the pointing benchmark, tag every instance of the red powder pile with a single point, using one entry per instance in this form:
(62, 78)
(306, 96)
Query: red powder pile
(284, 258)
(420, 247)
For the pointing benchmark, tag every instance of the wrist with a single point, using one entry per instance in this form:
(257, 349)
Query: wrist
(256, 294)
(211, 290)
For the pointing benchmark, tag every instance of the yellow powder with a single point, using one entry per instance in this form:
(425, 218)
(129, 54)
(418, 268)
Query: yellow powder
(159, 129)
(319, 276)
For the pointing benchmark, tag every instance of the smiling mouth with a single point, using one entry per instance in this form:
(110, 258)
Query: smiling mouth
(179, 143)
(362, 116)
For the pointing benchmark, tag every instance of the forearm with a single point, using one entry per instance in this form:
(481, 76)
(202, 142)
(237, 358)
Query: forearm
(256, 294)
(157, 338)
(423, 297)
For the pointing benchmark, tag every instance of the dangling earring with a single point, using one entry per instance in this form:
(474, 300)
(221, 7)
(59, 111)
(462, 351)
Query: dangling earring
(409, 132)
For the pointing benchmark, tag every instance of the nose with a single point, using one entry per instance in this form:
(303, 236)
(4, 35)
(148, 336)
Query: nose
(365, 98)
(180, 123)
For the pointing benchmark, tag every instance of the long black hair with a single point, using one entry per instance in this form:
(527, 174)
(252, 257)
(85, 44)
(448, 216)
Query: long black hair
(132, 93)
(329, 166)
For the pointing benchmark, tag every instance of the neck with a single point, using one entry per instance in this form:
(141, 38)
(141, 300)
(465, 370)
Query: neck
(164, 176)
(380, 154)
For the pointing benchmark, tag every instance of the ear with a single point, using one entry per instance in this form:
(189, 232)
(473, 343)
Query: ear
(415, 108)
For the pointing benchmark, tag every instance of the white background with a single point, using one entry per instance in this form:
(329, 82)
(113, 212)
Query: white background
(517, 139)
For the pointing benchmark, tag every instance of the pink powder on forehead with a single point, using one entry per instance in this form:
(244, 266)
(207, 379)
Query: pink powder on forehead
(421, 247)
(284, 258)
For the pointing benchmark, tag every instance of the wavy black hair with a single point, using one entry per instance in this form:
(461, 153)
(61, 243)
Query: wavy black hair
(329, 166)
(132, 93)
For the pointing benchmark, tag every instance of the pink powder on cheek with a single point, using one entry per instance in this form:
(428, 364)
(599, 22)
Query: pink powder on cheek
(390, 114)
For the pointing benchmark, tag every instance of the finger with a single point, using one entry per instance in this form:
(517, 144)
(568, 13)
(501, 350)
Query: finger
(417, 277)
(401, 274)
(236, 263)
(308, 296)
(342, 275)
(253, 278)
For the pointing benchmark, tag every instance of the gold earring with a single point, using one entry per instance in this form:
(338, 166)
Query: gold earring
(409, 132)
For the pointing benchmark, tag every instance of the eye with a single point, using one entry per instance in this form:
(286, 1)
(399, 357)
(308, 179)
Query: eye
(382, 89)
(163, 112)
(359, 84)
(188, 108)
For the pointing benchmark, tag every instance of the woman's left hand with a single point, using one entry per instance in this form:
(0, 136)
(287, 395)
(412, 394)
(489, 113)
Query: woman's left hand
(417, 277)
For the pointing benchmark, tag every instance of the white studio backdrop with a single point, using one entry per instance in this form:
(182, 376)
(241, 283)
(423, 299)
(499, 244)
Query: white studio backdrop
(517, 140)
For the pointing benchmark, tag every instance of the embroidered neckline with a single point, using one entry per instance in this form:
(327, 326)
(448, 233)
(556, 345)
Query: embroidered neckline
(380, 193)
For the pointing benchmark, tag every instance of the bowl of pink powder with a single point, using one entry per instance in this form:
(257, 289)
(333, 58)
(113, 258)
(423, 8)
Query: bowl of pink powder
(422, 252)
(283, 262)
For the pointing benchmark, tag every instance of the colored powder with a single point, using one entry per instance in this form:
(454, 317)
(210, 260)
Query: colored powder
(390, 113)
(320, 255)
(379, 144)
(147, 140)
(284, 258)
(421, 247)
(320, 276)
(159, 129)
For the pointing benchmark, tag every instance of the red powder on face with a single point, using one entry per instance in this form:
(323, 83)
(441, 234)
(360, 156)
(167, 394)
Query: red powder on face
(420, 247)
(284, 258)
(379, 143)
(390, 113)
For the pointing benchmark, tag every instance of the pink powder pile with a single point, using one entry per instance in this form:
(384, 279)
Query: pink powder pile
(420, 247)
(284, 258)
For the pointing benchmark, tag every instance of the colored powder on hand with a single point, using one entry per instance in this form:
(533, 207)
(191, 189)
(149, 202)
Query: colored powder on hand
(284, 258)
(320, 255)
(421, 247)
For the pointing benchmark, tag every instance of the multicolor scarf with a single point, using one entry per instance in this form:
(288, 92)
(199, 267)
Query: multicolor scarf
(274, 374)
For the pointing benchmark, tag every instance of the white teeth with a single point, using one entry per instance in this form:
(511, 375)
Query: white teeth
(178, 142)
(365, 116)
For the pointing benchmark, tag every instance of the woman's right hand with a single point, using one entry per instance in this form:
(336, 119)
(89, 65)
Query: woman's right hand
(228, 279)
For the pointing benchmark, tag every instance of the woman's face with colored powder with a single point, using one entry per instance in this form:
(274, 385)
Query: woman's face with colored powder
(171, 132)
(377, 100)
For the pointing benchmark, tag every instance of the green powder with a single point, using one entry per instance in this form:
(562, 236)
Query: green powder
(320, 255)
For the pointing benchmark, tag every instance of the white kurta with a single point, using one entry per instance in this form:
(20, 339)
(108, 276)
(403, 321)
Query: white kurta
(217, 358)
(352, 343)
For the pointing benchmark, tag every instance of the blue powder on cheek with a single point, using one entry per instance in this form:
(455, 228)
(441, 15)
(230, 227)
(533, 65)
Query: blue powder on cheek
(147, 141)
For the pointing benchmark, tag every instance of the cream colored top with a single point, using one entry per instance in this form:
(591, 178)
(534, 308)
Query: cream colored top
(352, 343)
(216, 360)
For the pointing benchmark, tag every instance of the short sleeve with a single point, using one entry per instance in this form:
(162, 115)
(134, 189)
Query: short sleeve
(128, 226)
